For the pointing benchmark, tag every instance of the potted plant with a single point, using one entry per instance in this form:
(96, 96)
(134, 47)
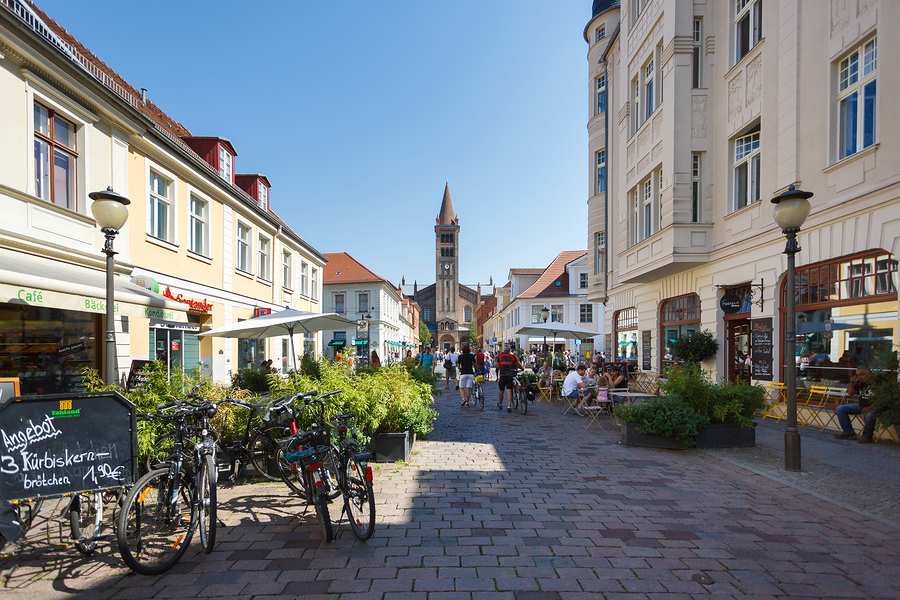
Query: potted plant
(660, 423)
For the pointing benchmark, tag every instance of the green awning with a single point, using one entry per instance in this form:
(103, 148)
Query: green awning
(337, 342)
(360, 342)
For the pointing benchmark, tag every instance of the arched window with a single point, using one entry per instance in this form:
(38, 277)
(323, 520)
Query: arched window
(625, 335)
(678, 316)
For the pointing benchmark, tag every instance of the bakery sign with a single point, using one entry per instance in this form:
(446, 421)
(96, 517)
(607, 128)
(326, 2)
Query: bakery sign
(194, 304)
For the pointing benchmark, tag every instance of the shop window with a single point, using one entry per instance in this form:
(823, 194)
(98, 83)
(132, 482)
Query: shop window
(678, 317)
(55, 156)
(625, 322)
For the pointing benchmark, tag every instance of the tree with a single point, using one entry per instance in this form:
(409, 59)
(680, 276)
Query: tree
(472, 338)
(694, 349)
(424, 334)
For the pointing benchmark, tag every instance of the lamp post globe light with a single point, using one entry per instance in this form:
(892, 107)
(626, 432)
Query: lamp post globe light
(111, 211)
(791, 209)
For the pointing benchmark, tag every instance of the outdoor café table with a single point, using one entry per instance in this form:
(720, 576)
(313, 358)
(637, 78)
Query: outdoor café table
(622, 396)
(644, 381)
(570, 402)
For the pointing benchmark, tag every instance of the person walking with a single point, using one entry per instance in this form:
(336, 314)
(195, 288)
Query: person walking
(450, 367)
(427, 360)
(466, 364)
(507, 365)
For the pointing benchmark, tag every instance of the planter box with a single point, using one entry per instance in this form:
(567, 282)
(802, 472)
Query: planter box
(391, 447)
(727, 435)
(632, 437)
(714, 436)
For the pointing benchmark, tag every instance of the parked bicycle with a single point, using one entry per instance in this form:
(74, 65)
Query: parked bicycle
(258, 446)
(520, 395)
(167, 505)
(323, 466)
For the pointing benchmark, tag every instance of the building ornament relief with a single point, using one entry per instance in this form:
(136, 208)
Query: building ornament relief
(698, 116)
(841, 13)
(754, 79)
(631, 153)
(643, 138)
(657, 151)
(735, 86)
(657, 124)
(643, 164)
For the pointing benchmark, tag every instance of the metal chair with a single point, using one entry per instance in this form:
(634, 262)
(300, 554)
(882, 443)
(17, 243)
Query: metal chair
(775, 393)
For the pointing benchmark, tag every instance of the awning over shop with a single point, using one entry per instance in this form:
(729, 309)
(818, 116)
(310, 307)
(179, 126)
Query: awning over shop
(360, 342)
(34, 281)
(337, 342)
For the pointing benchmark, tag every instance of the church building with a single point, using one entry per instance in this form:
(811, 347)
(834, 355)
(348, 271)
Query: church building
(448, 307)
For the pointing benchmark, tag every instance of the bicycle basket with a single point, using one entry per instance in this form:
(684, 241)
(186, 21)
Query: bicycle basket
(479, 379)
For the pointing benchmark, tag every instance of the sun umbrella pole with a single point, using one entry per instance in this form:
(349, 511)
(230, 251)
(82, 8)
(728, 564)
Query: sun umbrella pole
(293, 351)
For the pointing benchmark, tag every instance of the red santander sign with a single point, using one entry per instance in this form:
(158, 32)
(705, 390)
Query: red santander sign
(194, 304)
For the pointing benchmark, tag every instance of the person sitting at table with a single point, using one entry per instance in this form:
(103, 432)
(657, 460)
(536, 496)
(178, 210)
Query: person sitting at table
(858, 384)
(574, 387)
(617, 380)
(594, 382)
(544, 375)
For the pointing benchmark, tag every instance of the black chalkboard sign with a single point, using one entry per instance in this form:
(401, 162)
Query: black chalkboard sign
(139, 374)
(646, 359)
(761, 344)
(63, 443)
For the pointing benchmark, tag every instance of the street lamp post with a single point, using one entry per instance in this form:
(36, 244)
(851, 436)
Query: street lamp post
(791, 209)
(369, 338)
(545, 314)
(111, 211)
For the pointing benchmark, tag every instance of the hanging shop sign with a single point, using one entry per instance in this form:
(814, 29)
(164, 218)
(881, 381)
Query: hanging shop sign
(194, 304)
(731, 304)
(261, 312)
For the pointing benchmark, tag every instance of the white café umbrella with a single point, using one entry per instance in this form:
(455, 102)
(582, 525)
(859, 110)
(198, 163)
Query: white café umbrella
(285, 322)
(557, 330)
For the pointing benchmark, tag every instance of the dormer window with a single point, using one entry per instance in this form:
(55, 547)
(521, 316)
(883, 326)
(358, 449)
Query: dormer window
(263, 196)
(225, 164)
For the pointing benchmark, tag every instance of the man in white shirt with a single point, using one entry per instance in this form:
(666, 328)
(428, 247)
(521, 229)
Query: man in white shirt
(451, 371)
(573, 385)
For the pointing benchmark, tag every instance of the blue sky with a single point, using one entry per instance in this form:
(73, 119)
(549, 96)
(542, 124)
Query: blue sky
(359, 111)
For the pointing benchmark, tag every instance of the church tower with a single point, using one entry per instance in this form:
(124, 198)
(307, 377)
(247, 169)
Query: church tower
(446, 242)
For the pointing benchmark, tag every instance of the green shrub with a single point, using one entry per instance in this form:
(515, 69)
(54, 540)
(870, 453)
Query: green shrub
(665, 417)
(309, 367)
(720, 403)
(250, 379)
(885, 391)
(696, 348)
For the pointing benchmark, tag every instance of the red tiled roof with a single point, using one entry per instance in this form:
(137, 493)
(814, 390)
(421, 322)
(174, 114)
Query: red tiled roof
(546, 283)
(343, 268)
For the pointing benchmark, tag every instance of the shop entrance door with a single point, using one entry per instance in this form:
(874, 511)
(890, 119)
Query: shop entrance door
(170, 348)
(738, 350)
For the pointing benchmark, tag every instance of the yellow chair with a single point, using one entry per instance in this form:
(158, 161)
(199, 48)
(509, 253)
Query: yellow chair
(543, 392)
(815, 400)
(777, 401)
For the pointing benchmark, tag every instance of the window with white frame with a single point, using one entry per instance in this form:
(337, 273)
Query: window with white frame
(856, 99)
(556, 313)
(582, 281)
(696, 64)
(636, 96)
(199, 226)
(587, 313)
(224, 163)
(304, 278)
(747, 26)
(536, 314)
(635, 215)
(314, 286)
(601, 171)
(287, 270)
(695, 188)
(660, 180)
(601, 94)
(160, 225)
(339, 303)
(263, 196)
(264, 253)
(244, 247)
(363, 302)
(637, 6)
(600, 249)
(648, 90)
(647, 207)
(746, 169)
(55, 156)
(599, 33)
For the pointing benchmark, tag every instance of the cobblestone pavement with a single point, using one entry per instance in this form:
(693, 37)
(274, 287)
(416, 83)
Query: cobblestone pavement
(501, 506)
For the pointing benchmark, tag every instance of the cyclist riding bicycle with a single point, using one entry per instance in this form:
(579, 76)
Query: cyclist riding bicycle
(480, 362)
(507, 365)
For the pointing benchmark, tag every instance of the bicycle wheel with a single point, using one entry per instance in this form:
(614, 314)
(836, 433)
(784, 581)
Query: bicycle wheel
(206, 504)
(86, 520)
(523, 402)
(153, 534)
(359, 499)
(479, 396)
(515, 398)
(324, 518)
(332, 472)
(160, 451)
(264, 452)
(290, 475)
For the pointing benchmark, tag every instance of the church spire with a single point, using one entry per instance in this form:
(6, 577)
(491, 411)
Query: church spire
(447, 216)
